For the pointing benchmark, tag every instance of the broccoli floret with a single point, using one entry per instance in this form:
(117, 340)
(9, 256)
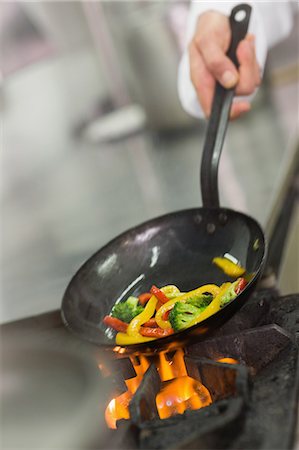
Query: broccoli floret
(229, 294)
(201, 301)
(127, 310)
(182, 314)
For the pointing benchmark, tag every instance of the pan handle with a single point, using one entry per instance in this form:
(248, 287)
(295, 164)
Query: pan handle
(217, 125)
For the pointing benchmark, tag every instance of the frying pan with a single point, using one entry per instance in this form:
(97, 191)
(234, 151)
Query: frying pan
(175, 248)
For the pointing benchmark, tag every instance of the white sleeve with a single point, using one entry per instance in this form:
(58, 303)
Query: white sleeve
(270, 24)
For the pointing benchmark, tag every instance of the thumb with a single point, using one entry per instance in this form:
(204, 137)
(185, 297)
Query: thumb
(219, 65)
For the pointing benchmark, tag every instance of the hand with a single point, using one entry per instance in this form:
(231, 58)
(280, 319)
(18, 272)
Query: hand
(208, 62)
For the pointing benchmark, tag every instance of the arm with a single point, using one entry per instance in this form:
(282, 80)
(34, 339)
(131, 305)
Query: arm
(207, 40)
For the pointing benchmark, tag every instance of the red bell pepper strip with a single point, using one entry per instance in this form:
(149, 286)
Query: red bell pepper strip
(144, 298)
(155, 332)
(166, 315)
(158, 305)
(240, 286)
(151, 323)
(115, 323)
(159, 294)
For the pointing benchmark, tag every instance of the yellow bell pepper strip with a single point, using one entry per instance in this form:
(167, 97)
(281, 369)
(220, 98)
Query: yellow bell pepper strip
(125, 339)
(228, 267)
(147, 313)
(171, 291)
(213, 307)
(165, 324)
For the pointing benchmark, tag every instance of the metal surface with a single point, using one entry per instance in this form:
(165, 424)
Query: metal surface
(175, 248)
(50, 397)
(219, 117)
(255, 348)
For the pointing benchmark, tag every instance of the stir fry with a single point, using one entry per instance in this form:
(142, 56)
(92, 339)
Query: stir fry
(162, 312)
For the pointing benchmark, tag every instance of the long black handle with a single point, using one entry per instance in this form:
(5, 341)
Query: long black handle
(239, 21)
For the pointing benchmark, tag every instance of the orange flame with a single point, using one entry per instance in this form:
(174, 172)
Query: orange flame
(118, 408)
(228, 360)
(178, 392)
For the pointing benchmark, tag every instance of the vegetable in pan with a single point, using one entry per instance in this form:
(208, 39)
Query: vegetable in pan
(127, 310)
(167, 310)
(229, 267)
(182, 314)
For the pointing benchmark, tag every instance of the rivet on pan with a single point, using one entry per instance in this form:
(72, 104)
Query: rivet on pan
(198, 219)
(222, 218)
(211, 228)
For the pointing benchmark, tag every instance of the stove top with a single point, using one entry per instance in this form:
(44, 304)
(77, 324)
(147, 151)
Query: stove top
(254, 402)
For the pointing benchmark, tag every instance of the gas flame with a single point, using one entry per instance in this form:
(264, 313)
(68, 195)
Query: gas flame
(180, 394)
(178, 391)
(228, 360)
(118, 408)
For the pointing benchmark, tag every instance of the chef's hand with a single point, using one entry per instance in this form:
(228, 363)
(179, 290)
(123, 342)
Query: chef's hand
(208, 62)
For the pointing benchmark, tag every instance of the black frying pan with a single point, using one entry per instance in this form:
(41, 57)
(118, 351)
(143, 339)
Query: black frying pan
(176, 248)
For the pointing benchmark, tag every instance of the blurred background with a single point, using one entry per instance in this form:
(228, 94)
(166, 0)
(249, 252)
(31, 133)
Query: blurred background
(94, 140)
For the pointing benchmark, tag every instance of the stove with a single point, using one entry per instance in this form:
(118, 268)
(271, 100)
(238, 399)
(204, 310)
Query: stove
(249, 368)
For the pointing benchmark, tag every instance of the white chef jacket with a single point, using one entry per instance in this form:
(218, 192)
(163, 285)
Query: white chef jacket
(270, 22)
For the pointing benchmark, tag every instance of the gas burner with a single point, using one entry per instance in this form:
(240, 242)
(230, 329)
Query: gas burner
(249, 378)
(246, 401)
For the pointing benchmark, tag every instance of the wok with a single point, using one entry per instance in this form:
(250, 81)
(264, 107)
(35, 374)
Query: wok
(175, 248)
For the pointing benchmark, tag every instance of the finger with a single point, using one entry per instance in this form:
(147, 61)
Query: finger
(218, 64)
(248, 72)
(238, 108)
(202, 80)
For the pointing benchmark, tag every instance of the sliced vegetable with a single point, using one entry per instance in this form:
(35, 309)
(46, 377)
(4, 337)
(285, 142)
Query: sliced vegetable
(166, 315)
(125, 339)
(167, 310)
(171, 291)
(232, 292)
(229, 294)
(116, 324)
(151, 323)
(159, 294)
(181, 315)
(228, 267)
(213, 307)
(155, 332)
(144, 298)
(201, 300)
(211, 288)
(240, 286)
(147, 313)
(127, 310)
